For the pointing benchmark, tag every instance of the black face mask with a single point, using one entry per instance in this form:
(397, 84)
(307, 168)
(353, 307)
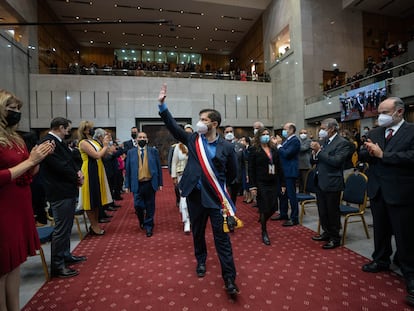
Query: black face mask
(142, 143)
(134, 135)
(91, 131)
(13, 117)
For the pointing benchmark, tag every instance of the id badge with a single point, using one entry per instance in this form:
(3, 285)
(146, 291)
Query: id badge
(271, 169)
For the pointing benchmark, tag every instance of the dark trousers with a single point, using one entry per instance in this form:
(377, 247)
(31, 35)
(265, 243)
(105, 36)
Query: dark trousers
(302, 179)
(329, 214)
(234, 190)
(266, 198)
(63, 214)
(199, 215)
(398, 220)
(144, 203)
(291, 196)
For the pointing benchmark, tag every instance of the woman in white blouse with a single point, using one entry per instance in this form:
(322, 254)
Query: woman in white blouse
(178, 163)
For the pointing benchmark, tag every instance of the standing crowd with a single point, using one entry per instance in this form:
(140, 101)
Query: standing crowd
(209, 171)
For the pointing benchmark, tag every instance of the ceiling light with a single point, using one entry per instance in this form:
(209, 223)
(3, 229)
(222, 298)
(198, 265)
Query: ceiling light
(126, 43)
(91, 41)
(160, 9)
(138, 8)
(334, 65)
(109, 42)
(198, 27)
(181, 11)
(77, 17)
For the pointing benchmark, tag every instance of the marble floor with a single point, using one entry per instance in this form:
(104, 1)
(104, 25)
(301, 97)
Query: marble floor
(32, 275)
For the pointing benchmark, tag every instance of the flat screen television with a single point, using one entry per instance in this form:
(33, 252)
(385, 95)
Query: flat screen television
(362, 102)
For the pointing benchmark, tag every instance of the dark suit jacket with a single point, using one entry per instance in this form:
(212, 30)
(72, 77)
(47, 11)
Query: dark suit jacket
(127, 145)
(259, 168)
(394, 173)
(330, 164)
(289, 155)
(132, 165)
(59, 172)
(225, 162)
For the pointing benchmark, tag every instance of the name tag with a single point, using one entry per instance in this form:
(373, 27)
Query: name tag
(271, 169)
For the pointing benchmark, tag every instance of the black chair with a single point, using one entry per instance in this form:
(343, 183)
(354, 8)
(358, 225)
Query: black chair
(45, 236)
(355, 193)
(307, 196)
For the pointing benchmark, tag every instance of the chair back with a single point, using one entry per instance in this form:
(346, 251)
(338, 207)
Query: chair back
(310, 185)
(45, 234)
(356, 189)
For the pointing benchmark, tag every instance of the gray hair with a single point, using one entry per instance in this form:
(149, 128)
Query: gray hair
(331, 123)
(398, 103)
(99, 132)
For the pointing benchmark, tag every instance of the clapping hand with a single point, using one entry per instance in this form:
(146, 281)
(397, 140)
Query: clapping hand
(39, 152)
(163, 93)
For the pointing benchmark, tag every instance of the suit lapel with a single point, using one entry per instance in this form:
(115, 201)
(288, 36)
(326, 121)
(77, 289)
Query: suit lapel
(396, 139)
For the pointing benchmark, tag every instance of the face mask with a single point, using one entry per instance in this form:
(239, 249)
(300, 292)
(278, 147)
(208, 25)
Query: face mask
(365, 132)
(13, 117)
(385, 120)
(264, 139)
(134, 135)
(323, 133)
(284, 133)
(202, 128)
(229, 136)
(303, 136)
(255, 131)
(142, 143)
(91, 131)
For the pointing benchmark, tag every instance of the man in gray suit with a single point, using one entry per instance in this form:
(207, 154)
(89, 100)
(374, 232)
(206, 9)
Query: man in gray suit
(329, 159)
(304, 157)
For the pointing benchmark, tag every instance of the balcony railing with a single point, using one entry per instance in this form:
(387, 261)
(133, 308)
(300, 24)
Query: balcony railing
(77, 70)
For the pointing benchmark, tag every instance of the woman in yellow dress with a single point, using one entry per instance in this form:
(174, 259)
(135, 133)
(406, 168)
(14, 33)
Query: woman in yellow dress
(95, 190)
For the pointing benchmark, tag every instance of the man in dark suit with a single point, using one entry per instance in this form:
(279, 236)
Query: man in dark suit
(61, 181)
(202, 200)
(289, 157)
(131, 143)
(143, 177)
(390, 188)
(329, 159)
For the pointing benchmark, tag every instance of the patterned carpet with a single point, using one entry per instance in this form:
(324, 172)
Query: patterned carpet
(126, 270)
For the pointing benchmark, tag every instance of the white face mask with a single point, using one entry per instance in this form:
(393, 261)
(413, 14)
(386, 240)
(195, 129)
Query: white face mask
(303, 136)
(323, 134)
(202, 128)
(385, 120)
(229, 136)
(255, 131)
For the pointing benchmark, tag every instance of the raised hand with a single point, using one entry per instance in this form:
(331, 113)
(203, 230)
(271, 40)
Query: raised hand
(163, 93)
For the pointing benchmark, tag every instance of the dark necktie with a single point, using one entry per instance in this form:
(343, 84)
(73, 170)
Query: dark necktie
(389, 135)
(142, 155)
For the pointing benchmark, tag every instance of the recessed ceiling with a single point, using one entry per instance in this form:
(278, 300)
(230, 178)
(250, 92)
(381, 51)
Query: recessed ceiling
(398, 8)
(211, 26)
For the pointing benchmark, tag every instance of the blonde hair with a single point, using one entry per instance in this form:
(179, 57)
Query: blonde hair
(82, 127)
(8, 134)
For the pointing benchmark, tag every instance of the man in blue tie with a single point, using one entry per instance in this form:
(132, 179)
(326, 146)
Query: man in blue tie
(143, 178)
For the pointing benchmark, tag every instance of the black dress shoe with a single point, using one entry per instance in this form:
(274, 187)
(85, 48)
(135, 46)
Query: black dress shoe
(331, 245)
(72, 260)
(91, 232)
(278, 217)
(374, 267)
(320, 237)
(149, 233)
(265, 238)
(290, 223)
(410, 287)
(103, 220)
(409, 299)
(64, 273)
(231, 287)
(201, 270)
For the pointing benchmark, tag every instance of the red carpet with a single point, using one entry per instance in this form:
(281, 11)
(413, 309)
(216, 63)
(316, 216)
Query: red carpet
(126, 270)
